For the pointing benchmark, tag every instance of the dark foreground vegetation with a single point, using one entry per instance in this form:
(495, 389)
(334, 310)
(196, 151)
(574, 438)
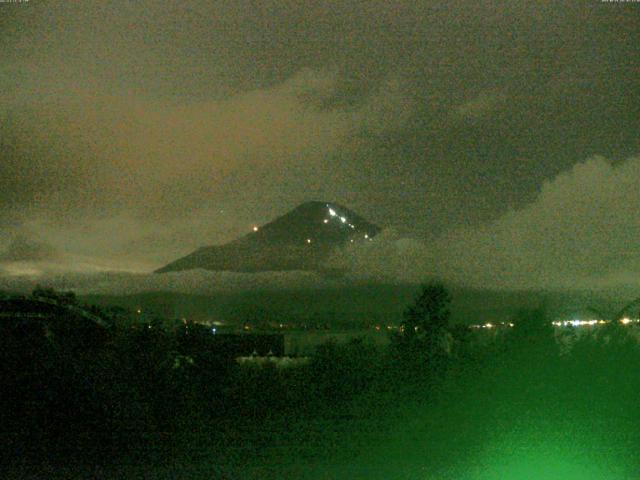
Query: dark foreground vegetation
(439, 402)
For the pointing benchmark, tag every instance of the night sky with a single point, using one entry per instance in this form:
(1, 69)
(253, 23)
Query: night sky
(495, 142)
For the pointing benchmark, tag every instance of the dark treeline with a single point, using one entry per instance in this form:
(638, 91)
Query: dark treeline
(153, 393)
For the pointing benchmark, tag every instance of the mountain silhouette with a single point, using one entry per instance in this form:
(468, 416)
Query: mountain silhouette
(302, 239)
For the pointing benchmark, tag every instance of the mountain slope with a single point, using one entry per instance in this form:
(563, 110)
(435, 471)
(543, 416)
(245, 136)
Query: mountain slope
(299, 240)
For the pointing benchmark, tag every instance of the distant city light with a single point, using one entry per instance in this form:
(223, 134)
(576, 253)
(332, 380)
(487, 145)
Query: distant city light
(214, 330)
(343, 219)
(326, 220)
(366, 236)
(255, 229)
(332, 212)
(308, 240)
(492, 325)
(589, 323)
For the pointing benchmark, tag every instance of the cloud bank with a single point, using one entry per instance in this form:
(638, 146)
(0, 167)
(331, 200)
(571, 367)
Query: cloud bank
(143, 179)
(581, 231)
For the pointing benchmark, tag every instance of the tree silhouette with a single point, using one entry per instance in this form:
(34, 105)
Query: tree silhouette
(427, 319)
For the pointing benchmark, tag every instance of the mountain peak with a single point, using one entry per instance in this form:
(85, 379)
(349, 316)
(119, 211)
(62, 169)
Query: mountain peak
(301, 239)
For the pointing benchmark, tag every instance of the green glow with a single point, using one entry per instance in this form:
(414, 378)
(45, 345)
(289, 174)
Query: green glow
(542, 466)
(545, 455)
